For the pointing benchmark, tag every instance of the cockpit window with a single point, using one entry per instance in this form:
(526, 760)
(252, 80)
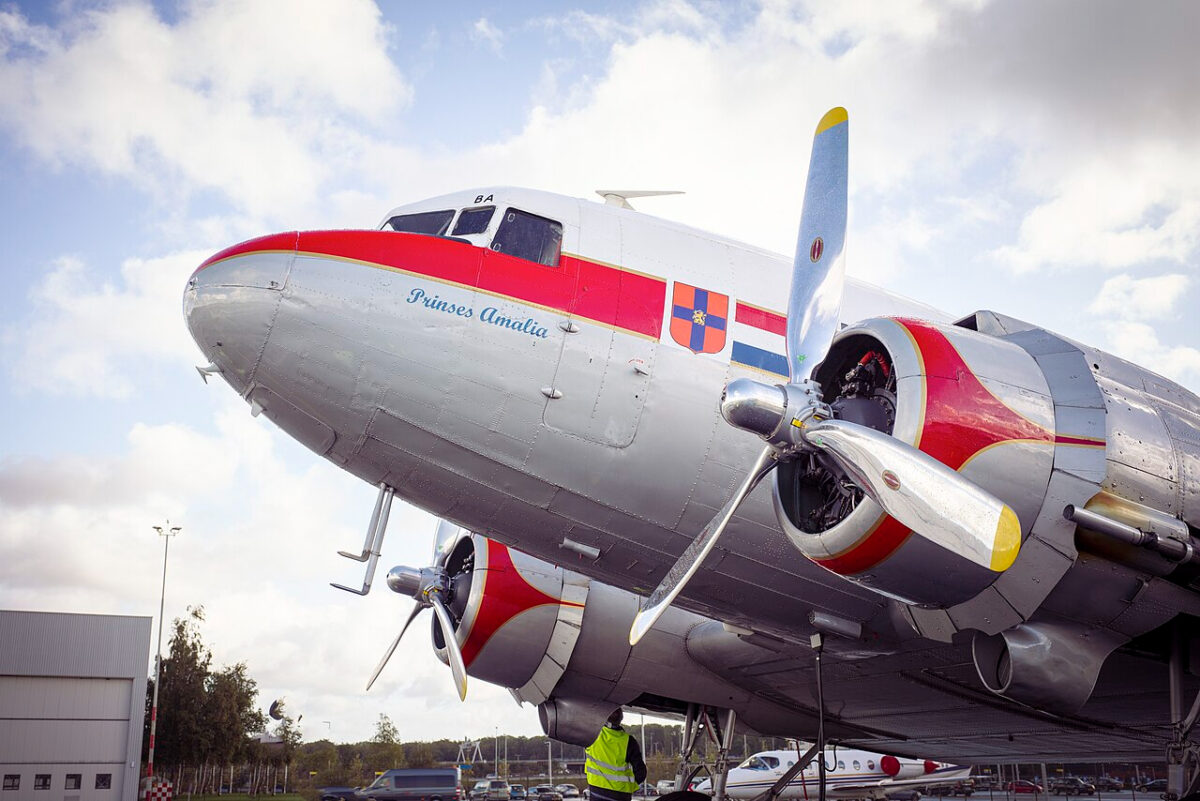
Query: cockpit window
(433, 223)
(754, 763)
(473, 221)
(528, 236)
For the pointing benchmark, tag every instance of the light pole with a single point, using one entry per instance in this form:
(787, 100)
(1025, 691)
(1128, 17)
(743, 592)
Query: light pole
(165, 531)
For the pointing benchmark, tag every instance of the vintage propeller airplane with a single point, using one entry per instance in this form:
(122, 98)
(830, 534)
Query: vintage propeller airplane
(991, 528)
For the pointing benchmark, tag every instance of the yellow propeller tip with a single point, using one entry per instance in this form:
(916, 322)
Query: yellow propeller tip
(1007, 544)
(835, 116)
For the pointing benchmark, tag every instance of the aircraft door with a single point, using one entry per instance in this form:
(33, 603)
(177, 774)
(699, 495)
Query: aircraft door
(604, 371)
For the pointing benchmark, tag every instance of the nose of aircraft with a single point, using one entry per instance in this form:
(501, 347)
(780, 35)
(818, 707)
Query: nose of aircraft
(230, 303)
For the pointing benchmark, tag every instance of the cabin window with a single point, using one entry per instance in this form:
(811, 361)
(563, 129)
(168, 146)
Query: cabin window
(433, 223)
(528, 236)
(41, 781)
(74, 781)
(772, 762)
(870, 764)
(103, 781)
(473, 221)
(841, 765)
(857, 765)
(12, 781)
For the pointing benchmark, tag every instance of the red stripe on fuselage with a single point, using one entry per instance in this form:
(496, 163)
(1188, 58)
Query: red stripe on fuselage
(609, 295)
(961, 419)
(760, 318)
(1087, 442)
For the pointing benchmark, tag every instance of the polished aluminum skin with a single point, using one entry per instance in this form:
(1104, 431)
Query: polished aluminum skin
(632, 459)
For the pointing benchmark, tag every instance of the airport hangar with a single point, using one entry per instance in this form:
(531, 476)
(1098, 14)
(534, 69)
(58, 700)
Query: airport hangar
(72, 705)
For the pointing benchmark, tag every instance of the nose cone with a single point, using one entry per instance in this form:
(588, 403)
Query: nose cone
(230, 303)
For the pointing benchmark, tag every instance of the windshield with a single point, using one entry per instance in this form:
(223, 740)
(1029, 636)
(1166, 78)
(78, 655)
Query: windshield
(434, 223)
(473, 221)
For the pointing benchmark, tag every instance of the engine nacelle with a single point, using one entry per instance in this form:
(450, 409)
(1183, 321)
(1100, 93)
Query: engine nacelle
(517, 617)
(976, 403)
(560, 641)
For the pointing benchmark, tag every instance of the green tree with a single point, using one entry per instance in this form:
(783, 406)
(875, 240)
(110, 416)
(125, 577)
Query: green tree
(419, 755)
(183, 733)
(322, 759)
(289, 733)
(231, 714)
(386, 751)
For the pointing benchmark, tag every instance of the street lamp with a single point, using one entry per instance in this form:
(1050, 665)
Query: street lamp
(165, 531)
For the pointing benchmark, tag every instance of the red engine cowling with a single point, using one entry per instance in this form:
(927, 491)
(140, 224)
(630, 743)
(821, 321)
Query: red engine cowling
(976, 403)
(517, 617)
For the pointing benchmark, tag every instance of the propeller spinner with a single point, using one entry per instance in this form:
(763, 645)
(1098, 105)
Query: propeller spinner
(920, 492)
(433, 588)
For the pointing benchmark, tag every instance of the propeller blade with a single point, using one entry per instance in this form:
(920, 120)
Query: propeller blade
(392, 649)
(818, 270)
(922, 493)
(688, 563)
(456, 660)
(443, 542)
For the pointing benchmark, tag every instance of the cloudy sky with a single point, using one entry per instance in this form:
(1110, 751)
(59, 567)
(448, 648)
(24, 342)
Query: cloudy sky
(1038, 158)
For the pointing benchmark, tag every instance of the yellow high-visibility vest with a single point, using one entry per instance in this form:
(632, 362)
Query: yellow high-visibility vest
(606, 766)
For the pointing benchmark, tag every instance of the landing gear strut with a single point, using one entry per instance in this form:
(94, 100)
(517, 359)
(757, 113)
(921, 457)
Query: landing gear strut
(703, 723)
(1183, 753)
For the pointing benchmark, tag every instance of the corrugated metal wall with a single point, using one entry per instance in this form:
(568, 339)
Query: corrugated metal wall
(72, 695)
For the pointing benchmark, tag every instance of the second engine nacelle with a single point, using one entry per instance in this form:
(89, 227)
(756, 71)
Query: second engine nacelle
(976, 403)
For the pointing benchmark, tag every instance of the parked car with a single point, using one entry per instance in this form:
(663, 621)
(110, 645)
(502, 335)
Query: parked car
(544, 792)
(338, 793)
(665, 786)
(568, 790)
(479, 791)
(646, 790)
(1024, 786)
(1155, 786)
(516, 792)
(1109, 784)
(1072, 785)
(415, 784)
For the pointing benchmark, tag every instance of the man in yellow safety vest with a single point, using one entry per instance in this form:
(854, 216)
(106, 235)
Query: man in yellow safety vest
(614, 767)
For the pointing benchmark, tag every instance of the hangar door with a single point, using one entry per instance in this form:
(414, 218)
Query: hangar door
(63, 738)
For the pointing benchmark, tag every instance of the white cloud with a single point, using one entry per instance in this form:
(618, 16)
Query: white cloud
(484, 32)
(88, 337)
(1139, 343)
(1132, 298)
(209, 102)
